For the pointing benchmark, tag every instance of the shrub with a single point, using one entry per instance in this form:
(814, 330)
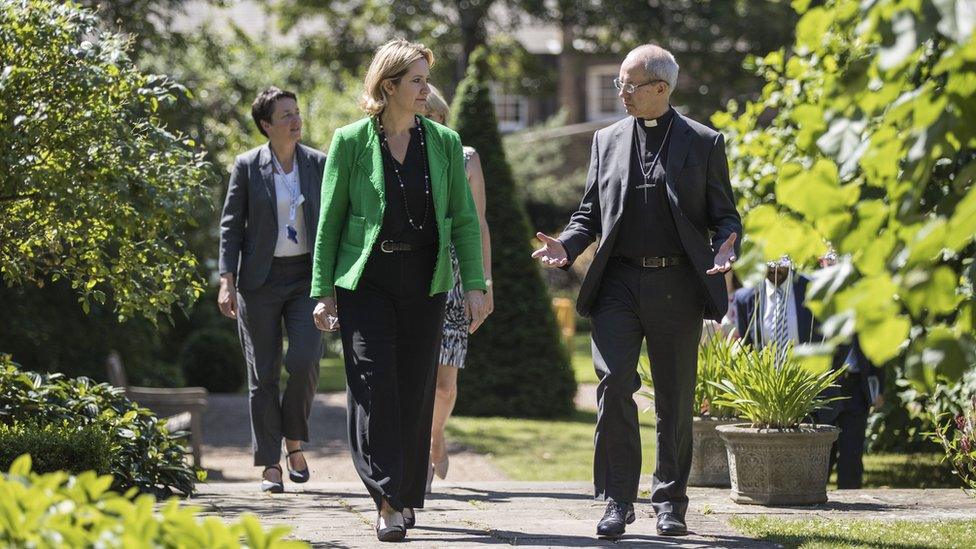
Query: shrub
(55, 447)
(58, 510)
(772, 397)
(144, 455)
(958, 439)
(212, 359)
(517, 366)
(715, 358)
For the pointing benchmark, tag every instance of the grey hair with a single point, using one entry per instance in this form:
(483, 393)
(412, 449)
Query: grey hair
(658, 62)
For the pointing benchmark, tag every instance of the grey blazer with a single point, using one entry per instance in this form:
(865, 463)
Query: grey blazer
(249, 222)
(700, 195)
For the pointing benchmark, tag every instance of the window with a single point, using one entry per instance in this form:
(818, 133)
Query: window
(601, 96)
(510, 109)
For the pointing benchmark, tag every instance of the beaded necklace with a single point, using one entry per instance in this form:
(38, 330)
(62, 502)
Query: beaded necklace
(396, 171)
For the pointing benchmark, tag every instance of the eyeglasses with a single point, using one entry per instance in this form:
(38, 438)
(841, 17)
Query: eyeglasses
(627, 87)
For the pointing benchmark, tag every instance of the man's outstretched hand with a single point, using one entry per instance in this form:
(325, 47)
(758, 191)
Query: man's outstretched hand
(552, 253)
(725, 256)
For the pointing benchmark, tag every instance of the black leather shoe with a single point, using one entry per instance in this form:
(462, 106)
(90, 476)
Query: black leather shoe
(615, 520)
(670, 524)
(270, 486)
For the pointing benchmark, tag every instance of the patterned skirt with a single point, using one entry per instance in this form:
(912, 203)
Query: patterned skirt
(454, 342)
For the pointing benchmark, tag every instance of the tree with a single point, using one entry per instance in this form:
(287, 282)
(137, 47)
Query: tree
(93, 188)
(871, 146)
(516, 362)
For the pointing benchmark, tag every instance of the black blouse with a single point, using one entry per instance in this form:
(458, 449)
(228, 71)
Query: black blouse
(396, 227)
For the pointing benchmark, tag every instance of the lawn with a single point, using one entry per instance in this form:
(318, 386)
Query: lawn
(830, 534)
(537, 449)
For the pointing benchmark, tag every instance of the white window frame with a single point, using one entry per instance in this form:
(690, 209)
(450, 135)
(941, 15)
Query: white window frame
(595, 74)
(521, 101)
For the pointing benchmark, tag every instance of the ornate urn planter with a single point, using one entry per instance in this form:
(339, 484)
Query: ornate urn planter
(773, 467)
(709, 459)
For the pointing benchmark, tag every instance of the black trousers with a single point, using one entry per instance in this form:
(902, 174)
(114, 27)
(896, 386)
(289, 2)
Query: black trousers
(391, 331)
(283, 298)
(665, 307)
(847, 453)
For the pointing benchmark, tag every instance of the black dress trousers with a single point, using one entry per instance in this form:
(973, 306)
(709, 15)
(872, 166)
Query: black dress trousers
(391, 330)
(664, 307)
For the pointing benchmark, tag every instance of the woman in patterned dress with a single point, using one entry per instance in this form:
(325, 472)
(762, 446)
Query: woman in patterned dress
(454, 342)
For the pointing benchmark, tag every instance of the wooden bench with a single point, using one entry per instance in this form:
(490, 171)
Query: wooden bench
(181, 409)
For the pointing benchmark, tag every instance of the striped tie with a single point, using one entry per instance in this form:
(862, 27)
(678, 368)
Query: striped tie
(781, 332)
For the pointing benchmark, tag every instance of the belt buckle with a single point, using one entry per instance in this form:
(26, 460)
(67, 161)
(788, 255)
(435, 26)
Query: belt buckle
(383, 247)
(652, 262)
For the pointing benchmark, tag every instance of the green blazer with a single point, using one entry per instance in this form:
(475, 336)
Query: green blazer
(353, 202)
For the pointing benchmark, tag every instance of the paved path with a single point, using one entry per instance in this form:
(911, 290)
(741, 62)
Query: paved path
(546, 514)
(227, 443)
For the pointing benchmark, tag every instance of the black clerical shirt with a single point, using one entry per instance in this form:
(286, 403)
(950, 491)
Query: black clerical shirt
(647, 228)
(396, 227)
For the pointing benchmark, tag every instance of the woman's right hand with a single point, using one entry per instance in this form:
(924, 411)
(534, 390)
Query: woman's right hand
(326, 314)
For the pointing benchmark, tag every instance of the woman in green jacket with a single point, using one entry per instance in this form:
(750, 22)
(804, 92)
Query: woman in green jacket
(394, 198)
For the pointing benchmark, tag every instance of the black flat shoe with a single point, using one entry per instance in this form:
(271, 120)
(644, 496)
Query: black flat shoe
(409, 517)
(615, 520)
(670, 524)
(392, 530)
(269, 486)
(297, 476)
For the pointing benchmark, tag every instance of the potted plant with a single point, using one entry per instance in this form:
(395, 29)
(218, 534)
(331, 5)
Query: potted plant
(709, 460)
(776, 459)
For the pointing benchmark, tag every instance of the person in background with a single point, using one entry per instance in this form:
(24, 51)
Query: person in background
(266, 233)
(863, 386)
(394, 201)
(454, 339)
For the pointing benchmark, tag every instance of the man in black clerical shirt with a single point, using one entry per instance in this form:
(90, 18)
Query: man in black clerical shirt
(658, 197)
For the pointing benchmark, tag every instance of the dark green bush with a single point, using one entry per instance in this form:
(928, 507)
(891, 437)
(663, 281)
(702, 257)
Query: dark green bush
(516, 365)
(55, 447)
(212, 359)
(143, 453)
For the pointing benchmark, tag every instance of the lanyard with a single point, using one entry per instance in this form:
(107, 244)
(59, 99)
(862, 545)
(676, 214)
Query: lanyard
(291, 184)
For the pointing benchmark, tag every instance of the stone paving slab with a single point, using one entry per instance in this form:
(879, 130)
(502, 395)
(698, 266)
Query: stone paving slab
(546, 514)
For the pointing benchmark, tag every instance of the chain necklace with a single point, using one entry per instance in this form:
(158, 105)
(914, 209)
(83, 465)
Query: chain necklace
(396, 171)
(657, 158)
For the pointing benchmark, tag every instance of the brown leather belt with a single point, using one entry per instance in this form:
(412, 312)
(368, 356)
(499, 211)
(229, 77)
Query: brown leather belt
(651, 262)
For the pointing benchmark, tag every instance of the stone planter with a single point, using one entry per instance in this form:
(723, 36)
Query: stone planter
(709, 459)
(770, 467)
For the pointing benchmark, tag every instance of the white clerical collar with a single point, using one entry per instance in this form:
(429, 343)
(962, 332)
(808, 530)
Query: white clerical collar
(655, 122)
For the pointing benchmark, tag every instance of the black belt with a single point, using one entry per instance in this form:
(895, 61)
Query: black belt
(390, 246)
(651, 262)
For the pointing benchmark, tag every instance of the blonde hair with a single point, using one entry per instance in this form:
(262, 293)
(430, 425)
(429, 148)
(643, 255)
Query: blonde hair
(390, 62)
(437, 105)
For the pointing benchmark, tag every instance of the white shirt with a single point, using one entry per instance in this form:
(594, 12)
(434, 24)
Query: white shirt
(769, 304)
(286, 187)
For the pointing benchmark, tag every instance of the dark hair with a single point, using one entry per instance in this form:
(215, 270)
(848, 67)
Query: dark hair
(263, 105)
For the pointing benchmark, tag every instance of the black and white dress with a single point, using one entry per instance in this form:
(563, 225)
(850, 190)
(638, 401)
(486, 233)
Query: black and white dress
(454, 342)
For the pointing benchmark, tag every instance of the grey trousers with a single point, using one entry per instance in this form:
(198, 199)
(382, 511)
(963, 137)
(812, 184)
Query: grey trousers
(663, 306)
(284, 298)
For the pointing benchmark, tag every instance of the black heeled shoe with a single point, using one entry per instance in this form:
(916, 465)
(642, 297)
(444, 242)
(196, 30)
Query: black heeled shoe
(296, 475)
(409, 517)
(270, 486)
(392, 529)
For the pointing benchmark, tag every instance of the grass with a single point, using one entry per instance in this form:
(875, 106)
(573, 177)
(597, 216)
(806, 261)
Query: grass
(536, 449)
(828, 534)
(906, 471)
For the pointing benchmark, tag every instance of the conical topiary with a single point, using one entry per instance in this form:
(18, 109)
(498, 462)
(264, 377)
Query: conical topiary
(516, 365)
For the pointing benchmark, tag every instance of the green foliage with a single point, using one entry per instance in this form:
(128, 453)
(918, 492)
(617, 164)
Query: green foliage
(716, 357)
(818, 533)
(864, 137)
(772, 397)
(58, 510)
(516, 365)
(538, 160)
(958, 439)
(144, 455)
(55, 447)
(212, 359)
(93, 189)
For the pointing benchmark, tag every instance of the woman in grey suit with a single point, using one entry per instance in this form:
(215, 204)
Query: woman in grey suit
(267, 231)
